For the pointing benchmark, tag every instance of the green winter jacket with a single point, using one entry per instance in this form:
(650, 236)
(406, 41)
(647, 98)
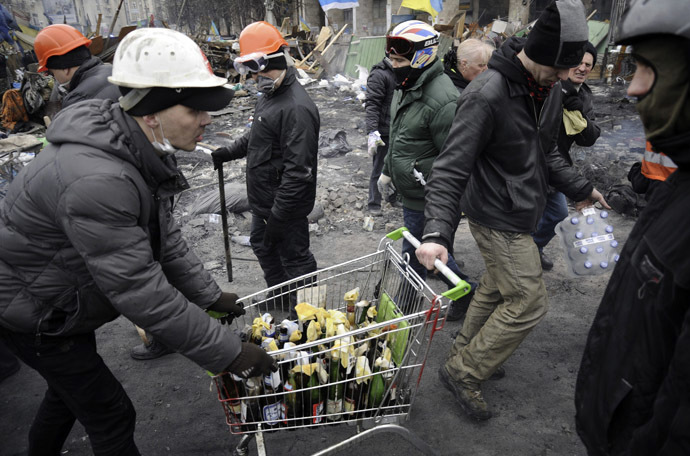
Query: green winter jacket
(420, 119)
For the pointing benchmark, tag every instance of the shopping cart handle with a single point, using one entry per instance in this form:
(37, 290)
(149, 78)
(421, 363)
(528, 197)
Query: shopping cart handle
(461, 287)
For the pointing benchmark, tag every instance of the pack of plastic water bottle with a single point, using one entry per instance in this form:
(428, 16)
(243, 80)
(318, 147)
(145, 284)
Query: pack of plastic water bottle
(589, 242)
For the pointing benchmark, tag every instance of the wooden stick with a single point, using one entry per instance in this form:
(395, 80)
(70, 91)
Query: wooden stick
(591, 14)
(318, 45)
(329, 44)
(110, 31)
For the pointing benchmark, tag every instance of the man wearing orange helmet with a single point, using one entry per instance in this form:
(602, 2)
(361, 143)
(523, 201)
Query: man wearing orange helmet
(64, 52)
(281, 149)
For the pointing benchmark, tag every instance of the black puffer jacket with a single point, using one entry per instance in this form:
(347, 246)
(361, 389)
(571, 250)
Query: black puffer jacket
(500, 155)
(86, 234)
(632, 395)
(380, 88)
(281, 150)
(91, 81)
(586, 137)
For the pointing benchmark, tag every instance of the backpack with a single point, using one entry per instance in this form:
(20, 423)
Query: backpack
(13, 110)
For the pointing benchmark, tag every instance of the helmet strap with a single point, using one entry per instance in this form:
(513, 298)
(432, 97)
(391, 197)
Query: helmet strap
(133, 97)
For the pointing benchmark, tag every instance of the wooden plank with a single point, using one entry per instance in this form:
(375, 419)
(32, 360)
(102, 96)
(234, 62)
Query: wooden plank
(335, 38)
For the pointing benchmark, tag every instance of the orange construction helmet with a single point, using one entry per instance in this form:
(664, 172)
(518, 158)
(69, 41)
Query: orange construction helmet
(57, 39)
(261, 37)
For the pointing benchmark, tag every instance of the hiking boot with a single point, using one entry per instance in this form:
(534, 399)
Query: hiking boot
(151, 351)
(546, 264)
(469, 399)
(374, 211)
(458, 308)
(498, 374)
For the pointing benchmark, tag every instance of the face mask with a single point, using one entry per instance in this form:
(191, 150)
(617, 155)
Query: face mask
(401, 73)
(165, 147)
(267, 85)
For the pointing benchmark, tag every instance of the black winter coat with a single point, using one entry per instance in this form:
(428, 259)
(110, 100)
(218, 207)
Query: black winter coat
(586, 137)
(632, 395)
(91, 81)
(281, 149)
(500, 155)
(86, 234)
(380, 87)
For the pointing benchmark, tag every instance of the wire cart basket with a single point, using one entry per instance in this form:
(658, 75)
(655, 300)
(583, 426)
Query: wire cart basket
(364, 372)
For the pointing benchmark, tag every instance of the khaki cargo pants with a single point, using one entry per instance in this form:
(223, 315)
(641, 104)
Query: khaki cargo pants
(510, 301)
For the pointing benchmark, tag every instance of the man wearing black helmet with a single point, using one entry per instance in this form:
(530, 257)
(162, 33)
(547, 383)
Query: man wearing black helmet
(632, 394)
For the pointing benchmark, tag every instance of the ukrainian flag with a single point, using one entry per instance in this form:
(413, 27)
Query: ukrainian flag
(433, 7)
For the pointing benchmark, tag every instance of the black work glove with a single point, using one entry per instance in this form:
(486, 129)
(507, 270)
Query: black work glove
(275, 231)
(253, 361)
(227, 303)
(572, 103)
(571, 100)
(220, 156)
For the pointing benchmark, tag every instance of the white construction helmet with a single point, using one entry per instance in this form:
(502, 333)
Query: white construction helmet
(160, 57)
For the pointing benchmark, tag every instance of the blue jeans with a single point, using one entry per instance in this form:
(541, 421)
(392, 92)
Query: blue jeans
(414, 221)
(556, 210)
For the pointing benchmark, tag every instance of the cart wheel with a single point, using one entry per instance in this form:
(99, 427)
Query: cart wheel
(242, 448)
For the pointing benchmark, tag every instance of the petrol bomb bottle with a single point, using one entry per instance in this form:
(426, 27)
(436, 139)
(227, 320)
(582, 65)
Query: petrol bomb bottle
(317, 394)
(273, 408)
(292, 399)
(251, 409)
(232, 391)
(377, 389)
(350, 299)
(336, 373)
(270, 330)
(361, 309)
(589, 242)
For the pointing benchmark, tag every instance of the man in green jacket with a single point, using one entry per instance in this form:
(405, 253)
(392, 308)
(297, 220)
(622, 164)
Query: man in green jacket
(422, 112)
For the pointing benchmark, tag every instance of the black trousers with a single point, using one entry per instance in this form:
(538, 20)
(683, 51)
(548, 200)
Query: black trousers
(80, 387)
(287, 259)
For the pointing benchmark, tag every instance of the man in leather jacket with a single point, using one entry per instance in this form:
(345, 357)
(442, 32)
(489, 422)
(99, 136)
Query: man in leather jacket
(496, 164)
(577, 100)
(632, 395)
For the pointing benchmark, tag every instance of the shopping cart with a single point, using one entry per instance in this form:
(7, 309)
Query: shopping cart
(367, 375)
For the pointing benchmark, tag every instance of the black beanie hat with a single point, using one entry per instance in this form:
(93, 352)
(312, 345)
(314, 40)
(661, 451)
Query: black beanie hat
(589, 47)
(161, 98)
(559, 36)
(73, 58)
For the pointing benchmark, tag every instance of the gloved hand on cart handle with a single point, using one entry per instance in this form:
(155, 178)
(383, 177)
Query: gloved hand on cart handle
(227, 303)
(373, 142)
(253, 361)
(385, 186)
(428, 252)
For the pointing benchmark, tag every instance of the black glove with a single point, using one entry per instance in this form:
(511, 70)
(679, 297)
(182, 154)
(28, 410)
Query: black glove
(227, 303)
(571, 100)
(220, 156)
(572, 103)
(275, 231)
(252, 361)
